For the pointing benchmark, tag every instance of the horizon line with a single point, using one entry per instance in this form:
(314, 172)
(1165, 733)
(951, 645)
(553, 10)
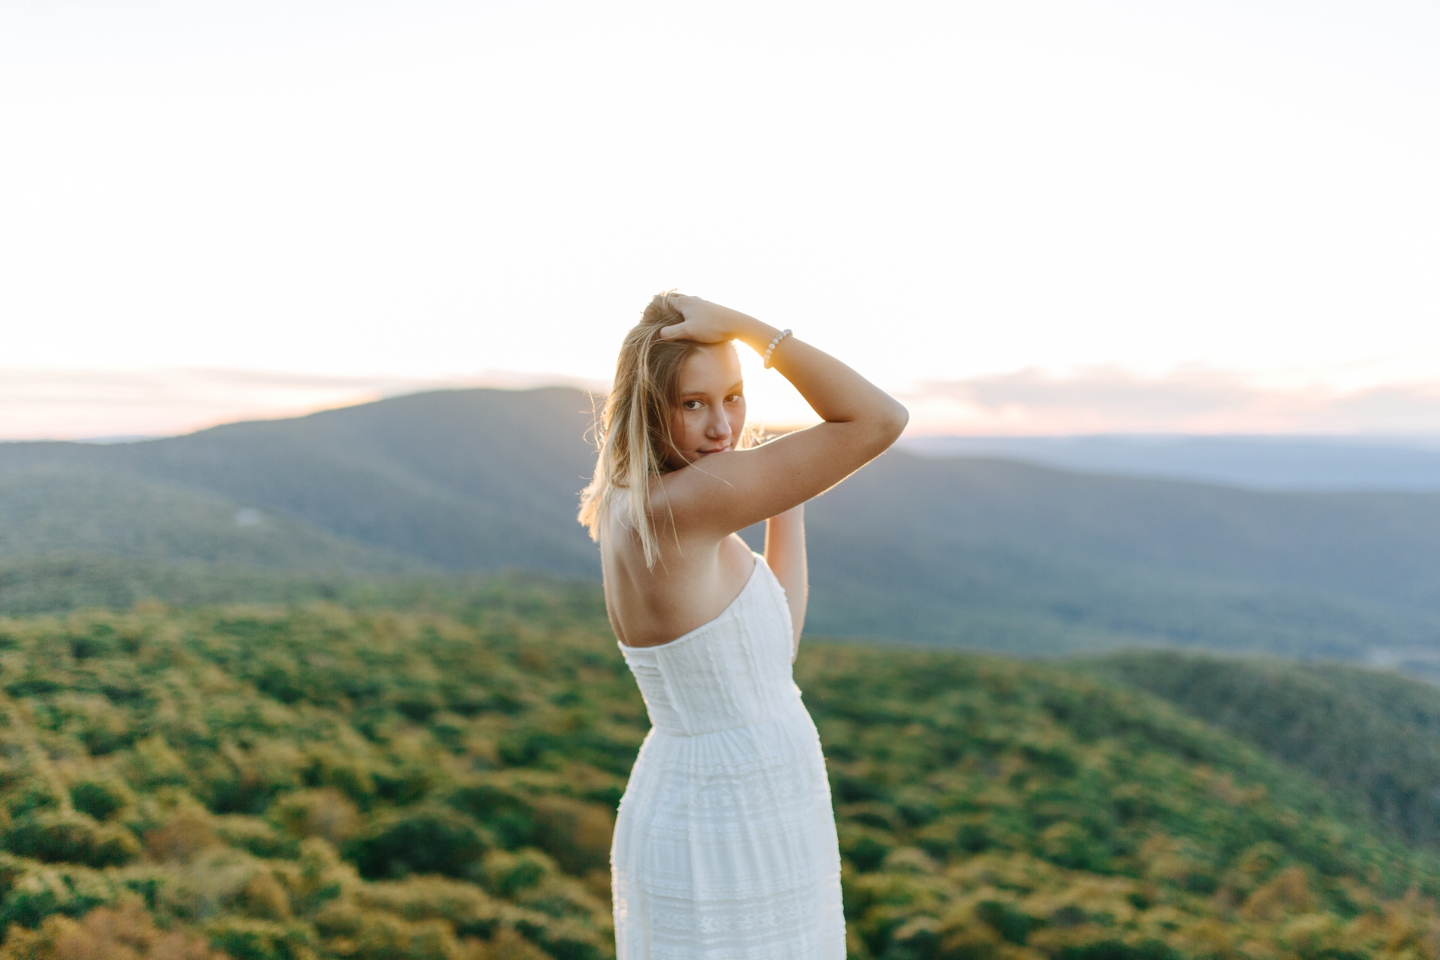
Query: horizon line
(132, 406)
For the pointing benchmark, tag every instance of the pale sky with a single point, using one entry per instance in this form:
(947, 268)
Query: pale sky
(213, 210)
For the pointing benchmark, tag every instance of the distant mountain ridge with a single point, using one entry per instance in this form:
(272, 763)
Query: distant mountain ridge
(985, 553)
(1259, 462)
(460, 480)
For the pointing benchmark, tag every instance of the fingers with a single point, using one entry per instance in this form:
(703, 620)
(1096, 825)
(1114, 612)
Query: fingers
(678, 301)
(688, 307)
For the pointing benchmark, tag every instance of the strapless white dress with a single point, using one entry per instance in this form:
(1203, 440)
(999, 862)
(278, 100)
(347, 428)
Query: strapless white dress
(725, 843)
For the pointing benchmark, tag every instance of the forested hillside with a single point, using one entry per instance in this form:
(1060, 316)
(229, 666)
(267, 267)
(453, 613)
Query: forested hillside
(984, 554)
(1372, 736)
(435, 775)
(49, 511)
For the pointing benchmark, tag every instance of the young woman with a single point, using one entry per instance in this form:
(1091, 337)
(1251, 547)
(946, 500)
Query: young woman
(725, 841)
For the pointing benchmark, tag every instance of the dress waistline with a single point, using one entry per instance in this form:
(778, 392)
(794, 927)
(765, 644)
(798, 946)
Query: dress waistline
(788, 708)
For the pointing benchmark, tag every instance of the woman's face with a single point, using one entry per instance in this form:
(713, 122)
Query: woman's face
(710, 412)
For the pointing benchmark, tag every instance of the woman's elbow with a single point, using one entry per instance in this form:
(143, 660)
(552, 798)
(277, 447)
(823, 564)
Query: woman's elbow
(894, 422)
(883, 428)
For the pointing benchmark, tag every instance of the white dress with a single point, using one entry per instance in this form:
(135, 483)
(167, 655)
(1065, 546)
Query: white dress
(725, 843)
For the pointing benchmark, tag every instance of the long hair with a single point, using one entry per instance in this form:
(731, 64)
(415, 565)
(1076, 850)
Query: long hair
(634, 431)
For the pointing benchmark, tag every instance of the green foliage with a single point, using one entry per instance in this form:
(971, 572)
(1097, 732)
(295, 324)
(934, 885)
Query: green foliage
(33, 583)
(100, 799)
(1373, 737)
(70, 838)
(428, 840)
(988, 806)
(283, 782)
(244, 938)
(356, 781)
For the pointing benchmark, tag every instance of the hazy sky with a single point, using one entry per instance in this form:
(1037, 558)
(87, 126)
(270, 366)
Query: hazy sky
(215, 209)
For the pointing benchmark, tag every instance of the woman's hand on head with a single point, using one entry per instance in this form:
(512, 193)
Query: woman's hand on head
(706, 322)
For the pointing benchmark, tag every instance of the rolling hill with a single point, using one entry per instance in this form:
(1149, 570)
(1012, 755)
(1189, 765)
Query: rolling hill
(1016, 557)
(985, 553)
(459, 480)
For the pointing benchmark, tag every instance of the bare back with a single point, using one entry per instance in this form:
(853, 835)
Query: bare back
(695, 580)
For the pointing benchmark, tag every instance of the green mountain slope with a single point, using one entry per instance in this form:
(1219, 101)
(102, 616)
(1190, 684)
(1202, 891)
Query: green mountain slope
(56, 511)
(465, 480)
(982, 553)
(947, 588)
(1372, 736)
(1375, 546)
(1018, 557)
(439, 782)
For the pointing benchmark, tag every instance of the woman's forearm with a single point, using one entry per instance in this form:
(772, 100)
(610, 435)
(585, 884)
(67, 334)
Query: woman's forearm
(833, 390)
(785, 555)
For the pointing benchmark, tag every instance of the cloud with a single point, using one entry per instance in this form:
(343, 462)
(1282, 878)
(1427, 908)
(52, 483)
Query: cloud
(1034, 402)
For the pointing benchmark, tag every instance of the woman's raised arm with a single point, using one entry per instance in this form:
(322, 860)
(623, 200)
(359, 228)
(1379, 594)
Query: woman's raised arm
(729, 491)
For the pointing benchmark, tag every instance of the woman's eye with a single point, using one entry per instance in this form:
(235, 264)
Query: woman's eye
(692, 404)
(734, 398)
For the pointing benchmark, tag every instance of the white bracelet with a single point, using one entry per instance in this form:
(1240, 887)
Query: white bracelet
(773, 344)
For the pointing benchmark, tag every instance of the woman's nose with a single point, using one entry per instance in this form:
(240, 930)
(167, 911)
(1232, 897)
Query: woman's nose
(719, 427)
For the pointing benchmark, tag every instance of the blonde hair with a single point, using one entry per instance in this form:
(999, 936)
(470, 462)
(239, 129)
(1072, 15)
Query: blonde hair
(633, 433)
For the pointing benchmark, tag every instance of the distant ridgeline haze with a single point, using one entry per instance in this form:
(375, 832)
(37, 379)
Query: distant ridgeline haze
(1257, 462)
(986, 553)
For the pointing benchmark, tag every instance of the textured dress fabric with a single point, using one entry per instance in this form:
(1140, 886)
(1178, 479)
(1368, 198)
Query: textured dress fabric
(725, 843)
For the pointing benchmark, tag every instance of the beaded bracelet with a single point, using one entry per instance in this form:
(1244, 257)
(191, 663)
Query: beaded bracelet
(773, 344)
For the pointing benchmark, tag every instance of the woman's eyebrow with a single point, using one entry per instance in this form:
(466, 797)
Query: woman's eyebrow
(736, 386)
